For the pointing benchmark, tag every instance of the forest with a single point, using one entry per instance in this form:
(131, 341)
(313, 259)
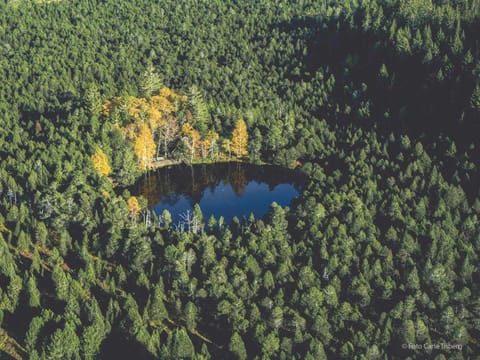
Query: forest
(376, 102)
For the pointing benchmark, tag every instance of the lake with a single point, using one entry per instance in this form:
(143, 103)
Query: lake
(221, 189)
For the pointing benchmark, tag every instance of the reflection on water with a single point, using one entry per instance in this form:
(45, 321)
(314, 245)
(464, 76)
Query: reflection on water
(225, 189)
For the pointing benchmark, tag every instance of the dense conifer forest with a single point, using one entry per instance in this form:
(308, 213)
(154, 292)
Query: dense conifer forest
(377, 102)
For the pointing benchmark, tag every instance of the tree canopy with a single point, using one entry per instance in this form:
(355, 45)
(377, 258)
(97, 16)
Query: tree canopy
(377, 102)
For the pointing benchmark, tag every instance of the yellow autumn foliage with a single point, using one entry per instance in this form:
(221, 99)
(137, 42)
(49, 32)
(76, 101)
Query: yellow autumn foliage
(206, 144)
(100, 162)
(110, 105)
(240, 139)
(133, 207)
(137, 107)
(172, 95)
(154, 116)
(162, 103)
(192, 139)
(144, 146)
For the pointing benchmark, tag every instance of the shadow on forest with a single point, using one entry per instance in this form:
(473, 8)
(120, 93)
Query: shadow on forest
(118, 346)
(417, 102)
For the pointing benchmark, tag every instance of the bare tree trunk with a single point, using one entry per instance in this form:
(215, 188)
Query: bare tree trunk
(165, 146)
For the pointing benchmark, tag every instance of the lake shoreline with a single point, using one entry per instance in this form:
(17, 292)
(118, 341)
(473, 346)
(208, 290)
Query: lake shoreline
(225, 189)
(171, 162)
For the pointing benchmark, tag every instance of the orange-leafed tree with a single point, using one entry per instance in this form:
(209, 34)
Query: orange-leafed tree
(240, 139)
(100, 162)
(133, 207)
(144, 146)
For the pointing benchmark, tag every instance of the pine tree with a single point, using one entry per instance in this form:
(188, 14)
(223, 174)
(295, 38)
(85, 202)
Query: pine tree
(93, 100)
(61, 282)
(124, 164)
(190, 316)
(157, 311)
(181, 346)
(403, 41)
(237, 347)
(475, 98)
(32, 333)
(200, 110)
(33, 292)
(150, 81)
(91, 340)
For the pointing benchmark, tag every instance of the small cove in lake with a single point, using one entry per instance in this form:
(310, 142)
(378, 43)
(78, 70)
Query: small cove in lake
(221, 189)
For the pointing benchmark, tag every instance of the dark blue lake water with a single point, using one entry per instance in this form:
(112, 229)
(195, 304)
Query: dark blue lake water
(225, 189)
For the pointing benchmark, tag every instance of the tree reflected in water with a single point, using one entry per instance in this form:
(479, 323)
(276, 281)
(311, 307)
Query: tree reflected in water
(222, 189)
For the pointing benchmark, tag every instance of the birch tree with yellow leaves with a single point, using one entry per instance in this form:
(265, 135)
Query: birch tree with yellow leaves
(191, 139)
(144, 146)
